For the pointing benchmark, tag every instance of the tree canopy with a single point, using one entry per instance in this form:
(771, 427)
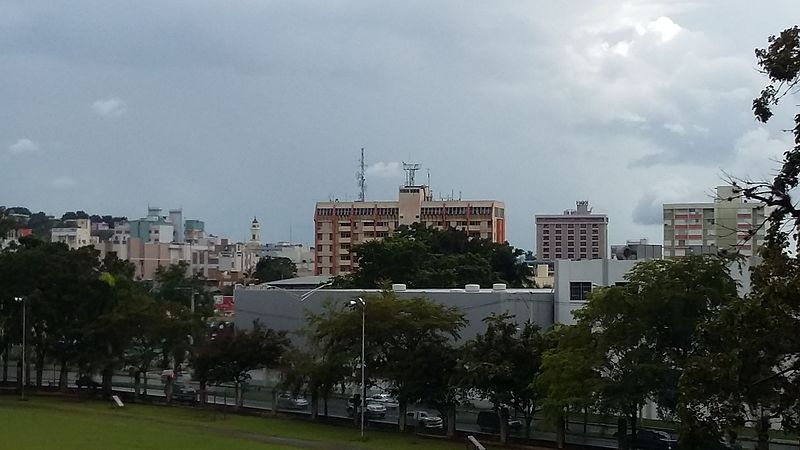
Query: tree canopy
(424, 257)
(271, 268)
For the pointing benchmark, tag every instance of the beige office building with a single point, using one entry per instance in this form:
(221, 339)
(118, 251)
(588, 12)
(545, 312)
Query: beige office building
(341, 225)
(576, 234)
(729, 222)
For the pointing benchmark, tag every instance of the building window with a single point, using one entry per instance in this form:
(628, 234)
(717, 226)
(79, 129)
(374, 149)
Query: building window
(344, 234)
(579, 290)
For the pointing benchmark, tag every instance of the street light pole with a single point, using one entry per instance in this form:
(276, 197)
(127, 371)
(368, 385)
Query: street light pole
(363, 364)
(363, 361)
(24, 343)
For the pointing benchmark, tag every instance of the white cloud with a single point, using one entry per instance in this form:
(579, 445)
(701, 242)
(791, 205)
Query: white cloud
(382, 169)
(665, 27)
(110, 107)
(675, 128)
(23, 145)
(622, 48)
(62, 182)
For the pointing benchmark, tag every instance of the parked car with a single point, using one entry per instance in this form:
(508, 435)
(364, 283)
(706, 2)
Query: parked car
(183, 393)
(288, 401)
(651, 440)
(88, 382)
(489, 422)
(386, 399)
(423, 419)
(373, 410)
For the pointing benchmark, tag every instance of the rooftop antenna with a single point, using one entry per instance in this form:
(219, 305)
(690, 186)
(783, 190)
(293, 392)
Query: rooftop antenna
(411, 170)
(361, 178)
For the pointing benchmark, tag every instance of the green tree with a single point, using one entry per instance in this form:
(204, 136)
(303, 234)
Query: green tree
(271, 269)
(232, 354)
(501, 364)
(745, 370)
(174, 284)
(780, 62)
(401, 336)
(568, 379)
(420, 256)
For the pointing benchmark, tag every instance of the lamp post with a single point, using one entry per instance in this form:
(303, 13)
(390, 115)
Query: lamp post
(24, 343)
(363, 361)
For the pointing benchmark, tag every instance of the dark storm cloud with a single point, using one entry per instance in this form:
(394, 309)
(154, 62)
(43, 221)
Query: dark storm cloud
(231, 109)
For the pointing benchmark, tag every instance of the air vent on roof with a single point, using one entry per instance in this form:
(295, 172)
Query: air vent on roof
(472, 288)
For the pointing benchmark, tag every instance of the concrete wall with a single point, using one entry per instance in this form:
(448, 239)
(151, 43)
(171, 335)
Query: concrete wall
(601, 272)
(282, 310)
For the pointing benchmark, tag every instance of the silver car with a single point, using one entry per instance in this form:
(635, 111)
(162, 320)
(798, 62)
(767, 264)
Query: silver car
(287, 401)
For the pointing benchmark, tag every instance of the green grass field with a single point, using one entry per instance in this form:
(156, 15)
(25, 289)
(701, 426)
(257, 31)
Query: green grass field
(55, 423)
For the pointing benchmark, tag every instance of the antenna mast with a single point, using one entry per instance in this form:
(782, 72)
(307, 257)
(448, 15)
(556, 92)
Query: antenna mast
(411, 170)
(361, 178)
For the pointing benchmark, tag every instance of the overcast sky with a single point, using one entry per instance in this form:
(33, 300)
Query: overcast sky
(235, 109)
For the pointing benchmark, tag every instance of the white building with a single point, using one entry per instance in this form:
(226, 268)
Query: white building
(76, 236)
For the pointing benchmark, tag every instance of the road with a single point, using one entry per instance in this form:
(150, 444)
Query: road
(261, 398)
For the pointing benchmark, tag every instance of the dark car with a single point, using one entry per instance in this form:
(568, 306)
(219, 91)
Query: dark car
(489, 422)
(183, 393)
(651, 440)
(87, 382)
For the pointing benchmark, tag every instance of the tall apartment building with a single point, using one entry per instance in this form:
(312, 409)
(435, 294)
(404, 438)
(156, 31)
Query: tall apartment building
(729, 222)
(575, 234)
(340, 225)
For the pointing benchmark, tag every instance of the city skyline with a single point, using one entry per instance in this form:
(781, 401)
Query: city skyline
(231, 111)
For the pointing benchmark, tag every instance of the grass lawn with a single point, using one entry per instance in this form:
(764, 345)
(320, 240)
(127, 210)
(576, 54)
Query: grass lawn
(55, 423)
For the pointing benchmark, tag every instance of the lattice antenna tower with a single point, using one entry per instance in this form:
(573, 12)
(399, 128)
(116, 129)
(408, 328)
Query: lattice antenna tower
(361, 178)
(411, 171)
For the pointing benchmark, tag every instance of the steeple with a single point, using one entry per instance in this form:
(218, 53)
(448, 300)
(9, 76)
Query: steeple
(255, 232)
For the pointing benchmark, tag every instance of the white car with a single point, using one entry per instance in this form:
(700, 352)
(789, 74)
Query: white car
(385, 399)
(286, 401)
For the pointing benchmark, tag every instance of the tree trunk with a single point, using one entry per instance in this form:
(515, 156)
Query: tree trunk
(528, 422)
(28, 371)
(137, 383)
(108, 373)
(6, 349)
(401, 415)
(314, 403)
(274, 402)
(634, 428)
(39, 369)
(203, 392)
(502, 413)
(144, 385)
(762, 428)
(168, 390)
(451, 419)
(585, 420)
(20, 371)
(63, 377)
(622, 434)
(325, 403)
(239, 396)
(561, 431)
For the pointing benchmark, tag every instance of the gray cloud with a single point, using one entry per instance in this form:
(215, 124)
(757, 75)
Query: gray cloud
(110, 107)
(260, 108)
(23, 145)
